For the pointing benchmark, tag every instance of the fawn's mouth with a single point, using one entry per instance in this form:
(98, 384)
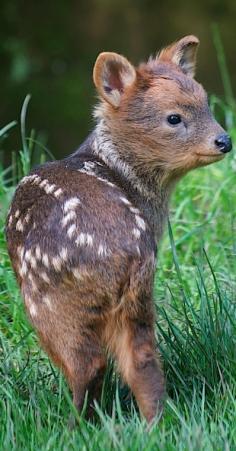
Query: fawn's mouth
(215, 156)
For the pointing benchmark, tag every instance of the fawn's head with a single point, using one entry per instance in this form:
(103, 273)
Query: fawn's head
(157, 114)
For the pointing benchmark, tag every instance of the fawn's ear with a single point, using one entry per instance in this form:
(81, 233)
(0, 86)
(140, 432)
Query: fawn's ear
(112, 75)
(183, 53)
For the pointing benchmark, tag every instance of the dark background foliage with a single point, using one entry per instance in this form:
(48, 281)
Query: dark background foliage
(48, 49)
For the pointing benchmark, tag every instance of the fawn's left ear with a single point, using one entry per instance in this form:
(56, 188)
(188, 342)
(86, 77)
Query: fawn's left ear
(183, 53)
(112, 75)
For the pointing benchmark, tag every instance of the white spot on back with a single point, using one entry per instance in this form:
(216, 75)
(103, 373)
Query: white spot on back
(56, 262)
(64, 253)
(89, 239)
(17, 213)
(27, 218)
(124, 200)
(134, 210)
(140, 222)
(77, 274)
(102, 250)
(45, 277)
(37, 180)
(48, 302)
(33, 262)
(106, 182)
(10, 221)
(43, 183)
(24, 269)
(33, 284)
(19, 226)
(47, 186)
(110, 184)
(58, 192)
(71, 204)
(32, 310)
(81, 239)
(138, 251)
(50, 188)
(20, 252)
(136, 233)
(28, 178)
(70, 216)
(38, 252)
(45, 260)
(28, 255)
(84, 239)
(71, 230)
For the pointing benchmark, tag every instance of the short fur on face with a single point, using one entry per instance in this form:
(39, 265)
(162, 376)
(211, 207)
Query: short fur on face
(136, 104)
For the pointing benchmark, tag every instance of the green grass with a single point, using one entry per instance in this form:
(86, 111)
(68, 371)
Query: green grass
(195, 292)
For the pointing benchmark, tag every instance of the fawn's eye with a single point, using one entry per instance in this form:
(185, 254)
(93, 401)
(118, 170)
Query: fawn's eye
(174, 119)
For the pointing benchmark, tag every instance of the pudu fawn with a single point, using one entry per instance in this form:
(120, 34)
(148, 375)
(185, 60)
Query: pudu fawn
(83, 232)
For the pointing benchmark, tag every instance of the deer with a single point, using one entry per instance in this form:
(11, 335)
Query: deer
(83, 232)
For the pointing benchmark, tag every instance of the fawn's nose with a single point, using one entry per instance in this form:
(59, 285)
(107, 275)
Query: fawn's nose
(224, 143)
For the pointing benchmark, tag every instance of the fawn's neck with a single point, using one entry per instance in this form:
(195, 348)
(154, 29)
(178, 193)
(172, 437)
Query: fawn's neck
(146, 189)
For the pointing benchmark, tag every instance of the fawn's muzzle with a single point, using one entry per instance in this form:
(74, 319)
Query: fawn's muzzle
(224, 143)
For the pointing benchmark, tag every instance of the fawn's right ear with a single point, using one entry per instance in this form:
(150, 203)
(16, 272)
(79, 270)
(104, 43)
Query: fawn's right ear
(112, 75)
(183, 53)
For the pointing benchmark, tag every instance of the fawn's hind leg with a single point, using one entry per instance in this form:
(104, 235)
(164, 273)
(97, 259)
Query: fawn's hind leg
(88, 378)
(84, 367)
(138, 363)
(69, 332)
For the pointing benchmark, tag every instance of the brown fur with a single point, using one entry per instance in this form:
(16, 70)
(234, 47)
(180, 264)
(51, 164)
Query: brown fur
(83, 232)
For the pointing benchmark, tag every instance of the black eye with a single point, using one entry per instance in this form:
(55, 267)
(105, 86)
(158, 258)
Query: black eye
(174, 119)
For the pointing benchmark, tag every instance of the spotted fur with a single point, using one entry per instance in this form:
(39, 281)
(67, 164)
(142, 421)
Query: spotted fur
(83, 232)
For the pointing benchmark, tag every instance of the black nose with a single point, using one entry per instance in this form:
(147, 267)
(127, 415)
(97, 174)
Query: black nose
(224, 143)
